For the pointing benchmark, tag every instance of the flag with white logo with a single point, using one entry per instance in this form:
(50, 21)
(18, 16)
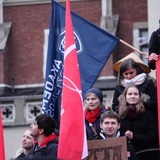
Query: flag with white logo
(94, 46)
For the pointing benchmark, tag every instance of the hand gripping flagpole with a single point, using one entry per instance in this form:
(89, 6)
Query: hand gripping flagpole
(135, 49)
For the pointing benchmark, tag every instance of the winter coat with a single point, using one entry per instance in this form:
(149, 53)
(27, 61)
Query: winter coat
(89, 131)
(21, 156)
(48, 152)
(154, 45)
(147, 87)
(144, 131)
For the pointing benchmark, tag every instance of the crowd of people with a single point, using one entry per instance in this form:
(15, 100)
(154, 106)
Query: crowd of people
(133, 113)
(27, 142)
(40, 141)
(134, 110)
(131, 119)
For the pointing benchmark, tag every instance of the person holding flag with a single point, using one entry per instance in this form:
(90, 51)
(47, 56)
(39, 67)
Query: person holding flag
(154, 63)
(132, 70)
(154, 48)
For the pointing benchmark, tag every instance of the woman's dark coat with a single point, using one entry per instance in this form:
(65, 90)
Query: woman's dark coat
(144, 130)
(89, 131)
(147, 87)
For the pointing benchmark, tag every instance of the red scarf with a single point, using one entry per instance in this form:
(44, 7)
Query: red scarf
(46, 140)
(91, 116)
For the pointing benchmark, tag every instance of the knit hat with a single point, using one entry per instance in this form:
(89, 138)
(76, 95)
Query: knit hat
(97, 92)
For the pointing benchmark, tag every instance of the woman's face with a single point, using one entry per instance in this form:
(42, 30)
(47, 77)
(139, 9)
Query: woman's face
(92, 101)
(27, 140)
(130, 73)
(132, 96)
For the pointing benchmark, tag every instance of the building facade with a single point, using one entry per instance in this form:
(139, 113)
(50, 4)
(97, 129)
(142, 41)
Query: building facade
(23, 48)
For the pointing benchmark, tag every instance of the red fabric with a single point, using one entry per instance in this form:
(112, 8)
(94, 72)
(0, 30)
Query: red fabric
(72, 139)
(158, 92)
(91, 116)
(46, 140)
(2, 150)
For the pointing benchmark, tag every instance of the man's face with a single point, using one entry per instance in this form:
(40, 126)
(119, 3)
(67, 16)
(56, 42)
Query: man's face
(110, 127)
(34, 130)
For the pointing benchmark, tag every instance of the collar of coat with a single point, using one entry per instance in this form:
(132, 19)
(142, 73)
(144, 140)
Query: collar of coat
(46, 140)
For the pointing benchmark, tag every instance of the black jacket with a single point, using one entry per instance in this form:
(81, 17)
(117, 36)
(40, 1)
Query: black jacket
(89, 131)
(147, 87)
(144, 131)
(21, 156)
(48, 152)
(154, 45)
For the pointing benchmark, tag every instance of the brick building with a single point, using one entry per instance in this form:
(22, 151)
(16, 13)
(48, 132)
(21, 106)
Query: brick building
(23, 46)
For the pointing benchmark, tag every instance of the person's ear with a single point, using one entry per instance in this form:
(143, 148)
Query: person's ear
(41, 131)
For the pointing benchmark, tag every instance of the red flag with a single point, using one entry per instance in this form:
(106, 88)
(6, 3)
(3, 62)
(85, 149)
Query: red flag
(2, 151)
(158, 93)
(72, 139)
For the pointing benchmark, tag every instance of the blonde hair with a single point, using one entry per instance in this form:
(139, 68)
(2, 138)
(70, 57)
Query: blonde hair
(123, 103)
(22, 150)
(18, 152)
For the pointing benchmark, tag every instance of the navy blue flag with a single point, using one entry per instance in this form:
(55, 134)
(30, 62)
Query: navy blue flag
(94, 46)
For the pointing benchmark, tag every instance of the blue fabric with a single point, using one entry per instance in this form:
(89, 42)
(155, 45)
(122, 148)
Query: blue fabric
(93, 45)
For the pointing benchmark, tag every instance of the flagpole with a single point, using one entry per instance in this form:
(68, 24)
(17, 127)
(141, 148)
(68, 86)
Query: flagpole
(142, 53)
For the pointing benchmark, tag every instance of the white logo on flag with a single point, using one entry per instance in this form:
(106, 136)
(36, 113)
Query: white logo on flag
(78, 42)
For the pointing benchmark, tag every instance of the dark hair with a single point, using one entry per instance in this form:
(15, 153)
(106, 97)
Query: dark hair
(126, 64)
(109, 114)
(47, 123)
